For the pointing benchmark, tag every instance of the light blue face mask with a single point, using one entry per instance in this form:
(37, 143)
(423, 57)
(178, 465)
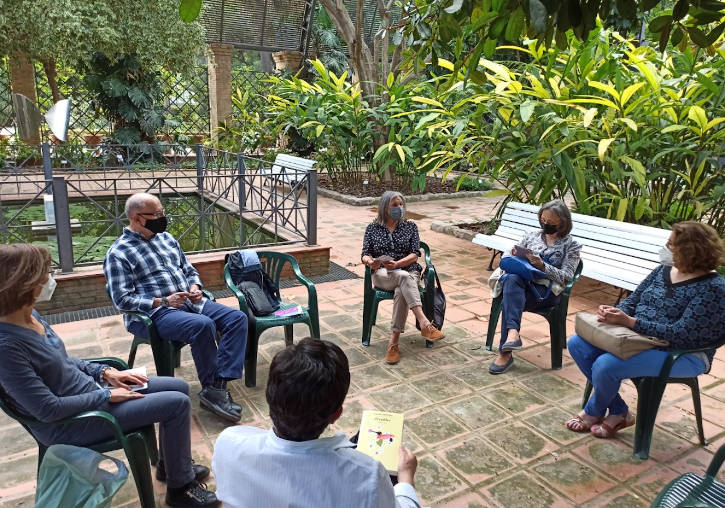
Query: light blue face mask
(397, 212)
(666, 257)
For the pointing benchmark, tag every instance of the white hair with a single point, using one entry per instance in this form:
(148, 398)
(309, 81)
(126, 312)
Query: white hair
(138, 201)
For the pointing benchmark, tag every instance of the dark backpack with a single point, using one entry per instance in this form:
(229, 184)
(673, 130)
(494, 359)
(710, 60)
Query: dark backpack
(439, 303)
(258, 288)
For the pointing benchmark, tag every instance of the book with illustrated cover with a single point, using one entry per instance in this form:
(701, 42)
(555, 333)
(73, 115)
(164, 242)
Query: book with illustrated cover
(381, 434)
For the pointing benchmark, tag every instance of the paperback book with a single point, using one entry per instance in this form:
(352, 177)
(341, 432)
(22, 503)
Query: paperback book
(381, 434)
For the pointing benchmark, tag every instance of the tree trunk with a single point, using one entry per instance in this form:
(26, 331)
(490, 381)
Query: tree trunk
(52, 75)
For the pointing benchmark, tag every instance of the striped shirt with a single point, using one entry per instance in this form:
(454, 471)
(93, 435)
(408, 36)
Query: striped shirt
(139, 270)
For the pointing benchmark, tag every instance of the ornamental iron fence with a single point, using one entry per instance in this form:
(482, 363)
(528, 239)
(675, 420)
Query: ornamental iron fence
(215, 200)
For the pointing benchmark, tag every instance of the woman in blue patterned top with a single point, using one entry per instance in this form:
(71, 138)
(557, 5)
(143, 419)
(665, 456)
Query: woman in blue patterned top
(550, 249)
(391, 247)
(681, 301)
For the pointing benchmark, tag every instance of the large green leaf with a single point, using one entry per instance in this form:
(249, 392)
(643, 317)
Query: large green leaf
(189, 10)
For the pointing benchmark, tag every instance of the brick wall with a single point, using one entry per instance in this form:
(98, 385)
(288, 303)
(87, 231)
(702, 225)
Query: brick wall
(86, 288)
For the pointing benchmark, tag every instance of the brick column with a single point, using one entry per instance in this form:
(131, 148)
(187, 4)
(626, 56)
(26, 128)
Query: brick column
(220, 85)
(22, 81)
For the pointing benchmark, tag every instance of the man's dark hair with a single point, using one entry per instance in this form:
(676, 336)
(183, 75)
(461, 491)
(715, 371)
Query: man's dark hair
(307, 383)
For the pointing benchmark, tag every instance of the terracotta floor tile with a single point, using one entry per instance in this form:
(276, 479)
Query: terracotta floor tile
(476, 460)
(574, 479)
(521, 489)
(434, 427)
(514, 398)
(434, 481)
(613, 457)
(652, 482)
(618, 498)
(466, 500)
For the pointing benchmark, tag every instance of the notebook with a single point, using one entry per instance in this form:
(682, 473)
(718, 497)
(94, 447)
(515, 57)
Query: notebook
(381, 434)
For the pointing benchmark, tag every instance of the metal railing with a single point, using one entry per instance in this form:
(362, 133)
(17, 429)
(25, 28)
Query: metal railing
(215, 200)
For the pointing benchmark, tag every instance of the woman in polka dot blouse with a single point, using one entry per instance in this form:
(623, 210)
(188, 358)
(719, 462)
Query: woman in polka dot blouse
(391, 247)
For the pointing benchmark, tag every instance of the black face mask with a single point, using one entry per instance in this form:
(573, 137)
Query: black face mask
(157, 225)
(549, 229)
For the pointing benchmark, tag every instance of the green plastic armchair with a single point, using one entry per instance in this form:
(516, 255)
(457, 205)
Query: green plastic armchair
(373, 296)
(556, 316)
(166, 352)
(649, 396)
(139, 445)
(273, 263)
(692, 490)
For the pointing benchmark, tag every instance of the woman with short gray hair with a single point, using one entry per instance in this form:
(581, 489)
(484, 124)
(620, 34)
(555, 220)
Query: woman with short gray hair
(391, 247)
(550, 249)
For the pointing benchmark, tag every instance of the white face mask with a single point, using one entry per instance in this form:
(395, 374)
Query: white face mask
(666, 257)
(47, 292)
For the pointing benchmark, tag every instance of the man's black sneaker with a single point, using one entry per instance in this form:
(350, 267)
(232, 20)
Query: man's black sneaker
(200, 472)
(192, 495)
(218, 401)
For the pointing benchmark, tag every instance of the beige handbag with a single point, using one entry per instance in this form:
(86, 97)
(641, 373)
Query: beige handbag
(618, 340)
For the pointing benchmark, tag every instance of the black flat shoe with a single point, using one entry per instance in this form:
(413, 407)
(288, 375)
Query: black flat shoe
(192, 495)
(500, 369)
(200, 472)
(218, 401)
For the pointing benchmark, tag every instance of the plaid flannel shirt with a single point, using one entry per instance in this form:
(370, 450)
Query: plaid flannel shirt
(139, 270)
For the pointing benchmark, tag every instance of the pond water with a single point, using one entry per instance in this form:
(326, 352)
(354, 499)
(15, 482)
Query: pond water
(94, 228)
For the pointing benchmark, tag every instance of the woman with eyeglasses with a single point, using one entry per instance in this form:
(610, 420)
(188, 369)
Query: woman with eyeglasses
(38, 378)
(391, 248)
(681, 301)
(550, 249)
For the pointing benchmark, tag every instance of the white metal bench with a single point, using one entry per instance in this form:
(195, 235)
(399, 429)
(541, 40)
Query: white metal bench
(288, 168)
(617, 253)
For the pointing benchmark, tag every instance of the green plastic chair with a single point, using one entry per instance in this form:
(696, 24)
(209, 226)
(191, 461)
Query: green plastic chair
(273, 263)
(649, 396)
(692, 490)
(556, 316)
(167, 353)
(373, 296)
(139, 445)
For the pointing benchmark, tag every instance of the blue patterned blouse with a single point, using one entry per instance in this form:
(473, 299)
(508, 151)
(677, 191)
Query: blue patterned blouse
(689, 314)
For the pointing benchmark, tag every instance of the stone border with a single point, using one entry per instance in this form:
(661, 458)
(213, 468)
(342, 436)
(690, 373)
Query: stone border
(355, 201)
(451, 228)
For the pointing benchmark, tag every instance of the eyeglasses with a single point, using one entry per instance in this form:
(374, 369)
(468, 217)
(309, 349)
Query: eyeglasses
(153, 214)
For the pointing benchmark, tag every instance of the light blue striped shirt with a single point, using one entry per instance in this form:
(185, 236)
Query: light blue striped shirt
(255, 467)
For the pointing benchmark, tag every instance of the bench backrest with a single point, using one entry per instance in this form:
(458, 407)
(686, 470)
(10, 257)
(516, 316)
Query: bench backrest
(287, 161)
(618, 253)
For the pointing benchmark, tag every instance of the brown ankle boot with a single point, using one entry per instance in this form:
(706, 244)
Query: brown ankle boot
(430, 332)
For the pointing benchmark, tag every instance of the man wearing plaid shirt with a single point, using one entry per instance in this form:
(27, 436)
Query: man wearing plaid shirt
(148, 272)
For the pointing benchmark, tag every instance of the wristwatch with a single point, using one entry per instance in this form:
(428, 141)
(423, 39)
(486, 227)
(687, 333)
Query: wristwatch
(164, 301)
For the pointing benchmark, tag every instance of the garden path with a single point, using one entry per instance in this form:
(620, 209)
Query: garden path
(481, 440)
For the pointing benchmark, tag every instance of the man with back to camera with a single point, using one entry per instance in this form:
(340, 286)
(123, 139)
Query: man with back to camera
(147, 271)
(290, 465)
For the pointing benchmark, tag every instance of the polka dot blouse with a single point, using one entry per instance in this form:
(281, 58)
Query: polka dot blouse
(402, 241)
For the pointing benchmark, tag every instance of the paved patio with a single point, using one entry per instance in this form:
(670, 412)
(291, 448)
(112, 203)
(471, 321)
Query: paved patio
(481, 440)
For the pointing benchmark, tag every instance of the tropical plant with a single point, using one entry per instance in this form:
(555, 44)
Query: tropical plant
(332, 114)
(248, 131)
(128, 95)
(71, 30)
(625, 132)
